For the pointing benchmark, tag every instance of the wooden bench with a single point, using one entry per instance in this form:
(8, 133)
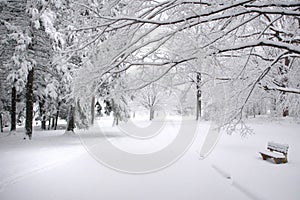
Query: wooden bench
(277, 152)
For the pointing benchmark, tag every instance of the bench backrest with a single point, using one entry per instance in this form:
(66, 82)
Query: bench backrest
(282, 148)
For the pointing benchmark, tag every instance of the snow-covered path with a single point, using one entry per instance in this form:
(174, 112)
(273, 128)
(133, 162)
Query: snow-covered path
(54, 166)
(84, 178)
(21, 159)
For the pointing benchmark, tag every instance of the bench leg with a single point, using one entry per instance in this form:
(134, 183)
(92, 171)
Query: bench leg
(284, 160)
(277, 160)
(264, 157)
(280, 160)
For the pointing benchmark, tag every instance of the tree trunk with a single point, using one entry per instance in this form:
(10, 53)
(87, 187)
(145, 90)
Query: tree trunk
(285, 112)
(93, 110)
(198, 96)
(53, 122)
(151, 114)
(1, 125)
(56, 117)
(29, 103)
(49, 123)
(13, 123)
(273, 106)
(42, 113)
(43, 124)
(71, 122)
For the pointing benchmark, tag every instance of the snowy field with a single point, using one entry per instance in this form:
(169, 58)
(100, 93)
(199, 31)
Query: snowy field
(57, 166)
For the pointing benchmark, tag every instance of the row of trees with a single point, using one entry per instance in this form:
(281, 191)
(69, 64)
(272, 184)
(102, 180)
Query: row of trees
(250, 47)
(42, 57)
(62, 55)
(32, 82)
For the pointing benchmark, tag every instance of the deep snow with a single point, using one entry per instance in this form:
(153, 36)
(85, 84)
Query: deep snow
(57, 166)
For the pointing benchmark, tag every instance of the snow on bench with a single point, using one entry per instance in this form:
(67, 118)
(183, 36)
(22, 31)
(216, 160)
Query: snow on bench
(273, 154)
(278, 152)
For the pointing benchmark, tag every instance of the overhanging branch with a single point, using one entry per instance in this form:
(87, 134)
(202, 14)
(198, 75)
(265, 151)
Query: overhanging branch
(262, 42)
(283, 89)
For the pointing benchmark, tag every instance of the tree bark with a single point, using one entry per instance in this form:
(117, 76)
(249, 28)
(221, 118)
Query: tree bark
(29, 103)
(53, 122)
(1, 124)
(285, 112)
(13, 122)
(42, 113)
(43, 124)
(71, 122)
(93, 110)
(56, 117)
(151, 114)
(198, 96)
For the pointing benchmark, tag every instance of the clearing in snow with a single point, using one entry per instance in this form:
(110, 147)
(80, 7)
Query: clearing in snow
(58, 166)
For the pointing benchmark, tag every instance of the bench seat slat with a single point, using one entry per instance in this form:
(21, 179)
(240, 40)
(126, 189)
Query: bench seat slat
(272, 154)
(283, 148)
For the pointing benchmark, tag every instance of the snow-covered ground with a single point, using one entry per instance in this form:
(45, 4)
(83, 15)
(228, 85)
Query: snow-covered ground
(57, 166)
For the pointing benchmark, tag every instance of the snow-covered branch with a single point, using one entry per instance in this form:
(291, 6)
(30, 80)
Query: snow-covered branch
(263, 42)
(273, 4)
(283, 89)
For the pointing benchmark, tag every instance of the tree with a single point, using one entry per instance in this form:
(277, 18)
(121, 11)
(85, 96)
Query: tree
(249, 47)
(32, 39)
(241, 33)
(150, 97)
(13, 43)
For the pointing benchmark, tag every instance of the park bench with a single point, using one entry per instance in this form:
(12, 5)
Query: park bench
(277, 152)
